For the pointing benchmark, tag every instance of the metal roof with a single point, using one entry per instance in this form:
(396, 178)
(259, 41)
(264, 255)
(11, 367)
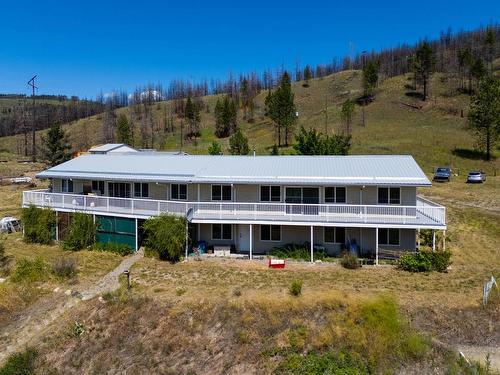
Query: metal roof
(108, 147)
(298, 170)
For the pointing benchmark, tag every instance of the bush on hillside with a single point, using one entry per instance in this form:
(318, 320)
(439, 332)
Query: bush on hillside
(165, 237)
(296, 288)
(425, 261)
(350, 261)
(64, 267)
(113, 247)
(81, 232)
(39, 225)
(20, 363)
(297, 252)
(27, 270)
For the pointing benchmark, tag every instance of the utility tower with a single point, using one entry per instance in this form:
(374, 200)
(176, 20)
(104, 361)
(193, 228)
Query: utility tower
(31, 83)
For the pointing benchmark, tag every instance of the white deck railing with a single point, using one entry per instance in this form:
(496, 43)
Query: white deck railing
(424, 212)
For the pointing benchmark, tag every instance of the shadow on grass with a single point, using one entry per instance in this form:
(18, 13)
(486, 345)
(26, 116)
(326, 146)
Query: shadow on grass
(469, 154)
(415, 94)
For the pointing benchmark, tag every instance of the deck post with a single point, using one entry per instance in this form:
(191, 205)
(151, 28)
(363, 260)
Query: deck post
(136, 235)
(433, 240)
(187, 239)
(251, 241)
(198, 192)
(312, 244)
(418, 239)
(376, 246)
(57, 227)
(444, 240)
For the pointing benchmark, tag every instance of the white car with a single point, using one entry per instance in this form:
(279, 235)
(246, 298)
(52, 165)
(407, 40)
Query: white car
(10, 224)
(476, 176)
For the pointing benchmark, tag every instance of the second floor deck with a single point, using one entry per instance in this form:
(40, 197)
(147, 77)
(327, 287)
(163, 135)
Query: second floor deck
(424, 214)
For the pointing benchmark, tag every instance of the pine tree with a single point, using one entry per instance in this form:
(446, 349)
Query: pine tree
(484, 114)
(123, 131)
(346, 113)
(424, 65)
(370, 77)
(490, 45)
(226, 115)
(281, 108)
(238, 143)
(307, 75)
(55, 146)
(215, 148)
(192, 114)
(312, 142)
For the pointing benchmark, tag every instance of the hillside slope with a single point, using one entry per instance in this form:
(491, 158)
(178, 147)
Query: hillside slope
(393, 124)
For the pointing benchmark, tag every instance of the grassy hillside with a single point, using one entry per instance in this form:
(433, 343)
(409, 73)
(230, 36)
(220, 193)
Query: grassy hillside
(435, 135)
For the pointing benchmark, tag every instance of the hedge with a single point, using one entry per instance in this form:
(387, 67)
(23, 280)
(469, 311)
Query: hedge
(425, 261)
(38, 224)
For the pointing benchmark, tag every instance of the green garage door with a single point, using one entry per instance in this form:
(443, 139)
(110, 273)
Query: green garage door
(116, 229)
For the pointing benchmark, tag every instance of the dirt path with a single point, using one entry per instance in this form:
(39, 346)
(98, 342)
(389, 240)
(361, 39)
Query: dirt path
(20, 333)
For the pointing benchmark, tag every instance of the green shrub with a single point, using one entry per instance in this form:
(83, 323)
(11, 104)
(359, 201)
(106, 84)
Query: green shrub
(29, 271)
(64, 267)
(297, 252)
(165, 237)
(4, 259)
(324, 363)
(350, 261)
(20, 363)
(425, 261)
(112, 247)
(81, 232)
(296, 288)
(39, 225)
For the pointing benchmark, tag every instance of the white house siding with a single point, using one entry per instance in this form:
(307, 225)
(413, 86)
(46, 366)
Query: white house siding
(158, 191)
(364, 237)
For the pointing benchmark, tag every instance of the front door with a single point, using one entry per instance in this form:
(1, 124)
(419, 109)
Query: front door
(244, 238)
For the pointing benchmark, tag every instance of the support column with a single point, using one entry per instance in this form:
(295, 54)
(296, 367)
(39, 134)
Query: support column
(312, 244)
(251, 241)
(376, 246)
(136, 235)
(57, 227)
(187, 240)
(418, 239)
(433, 240)
(444, 240)
(199, 193)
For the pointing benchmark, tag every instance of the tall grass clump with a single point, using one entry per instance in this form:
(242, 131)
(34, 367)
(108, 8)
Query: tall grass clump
(81, 232)
(64, 267)
(295, 288)
(22, 363)
(165, 237)
(39, 225)
(297, 252)
(112, 247)
(350, 261)
(27, 270)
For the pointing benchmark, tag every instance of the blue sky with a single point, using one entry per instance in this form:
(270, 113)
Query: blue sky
(83, 47)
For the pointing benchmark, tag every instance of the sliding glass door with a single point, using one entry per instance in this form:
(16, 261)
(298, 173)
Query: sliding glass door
(302, 195)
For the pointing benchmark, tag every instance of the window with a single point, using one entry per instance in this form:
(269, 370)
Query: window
(221, 192)
(389, 195)
(270, 233)
(334, 235)
(222, 232)
(179, 191)
(67, 186)
(141, 190)
(305, 195)
(270, 194)
(388, 236)
(98, 187)
(119, 189)
(335, 194)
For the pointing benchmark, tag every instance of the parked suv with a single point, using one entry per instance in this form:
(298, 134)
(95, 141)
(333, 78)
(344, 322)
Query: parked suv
(442, 174)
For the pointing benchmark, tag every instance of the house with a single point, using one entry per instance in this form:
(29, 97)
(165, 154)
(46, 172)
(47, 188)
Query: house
(111, 148)
(250, 203)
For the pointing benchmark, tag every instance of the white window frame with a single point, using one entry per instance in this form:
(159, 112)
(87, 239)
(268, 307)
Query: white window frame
(221, 232)
(335, 187)
(301, 187)
(389, 195)
(221, 195)
(334, 235)
(141, 195)
(270, 200)
(66, 189)
(178, 190)
(388, 244)
(270, 233)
